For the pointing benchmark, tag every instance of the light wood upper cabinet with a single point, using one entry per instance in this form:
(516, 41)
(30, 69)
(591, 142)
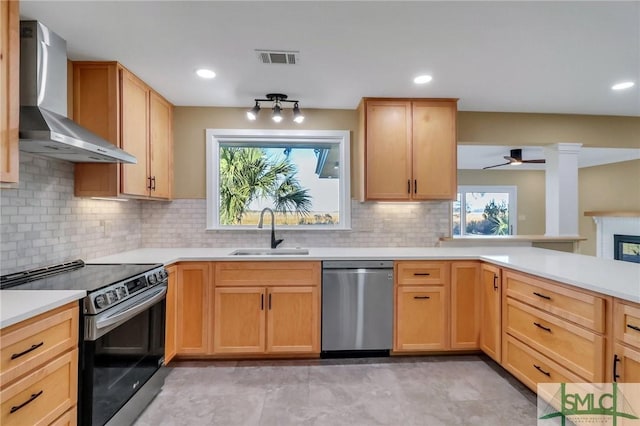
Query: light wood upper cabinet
(490, 311)
(409, 149)
(171, 314)
(194, 290)
(465, 305)
(135, 134)
(112, 102)
(9, 90)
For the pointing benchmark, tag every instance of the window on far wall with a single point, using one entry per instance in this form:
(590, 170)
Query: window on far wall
(485, 210)
(302, 175)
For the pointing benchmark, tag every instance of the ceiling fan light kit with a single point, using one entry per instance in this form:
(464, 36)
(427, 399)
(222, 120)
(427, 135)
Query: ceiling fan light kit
(276, 115)
(515, 159)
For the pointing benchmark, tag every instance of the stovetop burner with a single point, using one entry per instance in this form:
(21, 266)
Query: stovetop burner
(75, 275)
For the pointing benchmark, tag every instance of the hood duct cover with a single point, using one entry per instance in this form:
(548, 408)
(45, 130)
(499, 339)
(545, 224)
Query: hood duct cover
(44, 127)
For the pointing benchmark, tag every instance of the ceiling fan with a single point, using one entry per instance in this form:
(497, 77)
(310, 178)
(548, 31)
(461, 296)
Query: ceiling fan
(515, 158)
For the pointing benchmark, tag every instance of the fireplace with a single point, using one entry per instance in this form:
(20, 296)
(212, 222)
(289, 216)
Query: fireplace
(626, 248)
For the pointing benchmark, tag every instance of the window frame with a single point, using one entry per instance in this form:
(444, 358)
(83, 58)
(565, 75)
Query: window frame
(512, 190)
(213, 139)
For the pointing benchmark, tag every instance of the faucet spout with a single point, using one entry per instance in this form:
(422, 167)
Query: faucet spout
(274, 242)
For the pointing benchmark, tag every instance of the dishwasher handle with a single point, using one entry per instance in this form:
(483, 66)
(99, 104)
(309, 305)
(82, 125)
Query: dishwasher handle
(357, 264)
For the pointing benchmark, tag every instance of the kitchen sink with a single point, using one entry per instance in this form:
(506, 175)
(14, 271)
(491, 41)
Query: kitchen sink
(270, 252)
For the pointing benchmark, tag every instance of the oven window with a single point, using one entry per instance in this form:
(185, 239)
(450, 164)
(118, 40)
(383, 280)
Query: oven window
(120, 362)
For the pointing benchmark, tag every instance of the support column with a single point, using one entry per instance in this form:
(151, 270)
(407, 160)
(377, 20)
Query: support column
(561, 189)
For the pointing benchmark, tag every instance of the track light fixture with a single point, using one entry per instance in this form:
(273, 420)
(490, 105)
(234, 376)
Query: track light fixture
(276, 115)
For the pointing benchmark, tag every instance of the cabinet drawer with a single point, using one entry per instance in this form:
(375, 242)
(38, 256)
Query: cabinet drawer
(42, 396)
(69, 418)
(626, 323)
(33, 342)
(422, 273)
(579, 350)
(576, 306)
(531, 367)
(266, 273)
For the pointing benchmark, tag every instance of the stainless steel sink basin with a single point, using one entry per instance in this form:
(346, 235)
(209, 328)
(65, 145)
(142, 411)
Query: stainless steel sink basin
(270, 252)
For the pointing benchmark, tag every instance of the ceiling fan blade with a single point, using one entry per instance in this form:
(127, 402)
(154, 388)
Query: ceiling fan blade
(534, 161)
(510, 159)
(497, 165)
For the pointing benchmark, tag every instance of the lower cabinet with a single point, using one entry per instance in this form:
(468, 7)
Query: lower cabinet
(421, 318)
(626, 364)
(257, 320)
(465, 305)
(193, 297)
(626, 348)
(490, 311)
(171, 314)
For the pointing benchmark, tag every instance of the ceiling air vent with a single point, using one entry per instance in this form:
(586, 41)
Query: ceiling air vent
(288, 57)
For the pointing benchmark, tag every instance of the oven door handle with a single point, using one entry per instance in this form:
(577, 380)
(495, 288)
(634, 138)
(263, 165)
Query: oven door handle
(124, 315)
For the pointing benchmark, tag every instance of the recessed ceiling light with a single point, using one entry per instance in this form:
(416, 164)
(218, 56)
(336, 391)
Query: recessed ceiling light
(205, 73)
(422, 79)
(623, 85)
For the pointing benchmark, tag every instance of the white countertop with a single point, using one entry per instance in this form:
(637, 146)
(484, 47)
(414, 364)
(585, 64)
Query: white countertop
(19, 305)
(610, 277)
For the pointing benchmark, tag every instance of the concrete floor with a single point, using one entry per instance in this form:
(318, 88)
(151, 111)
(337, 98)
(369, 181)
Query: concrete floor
(433, 390)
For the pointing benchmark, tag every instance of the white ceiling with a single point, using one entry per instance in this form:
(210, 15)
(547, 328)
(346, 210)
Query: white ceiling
(479, 156)
(555, 57)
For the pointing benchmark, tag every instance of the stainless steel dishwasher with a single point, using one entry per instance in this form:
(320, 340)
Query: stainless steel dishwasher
(357, 307)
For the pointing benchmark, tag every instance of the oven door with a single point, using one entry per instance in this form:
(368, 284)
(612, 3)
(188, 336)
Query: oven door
(122, 350)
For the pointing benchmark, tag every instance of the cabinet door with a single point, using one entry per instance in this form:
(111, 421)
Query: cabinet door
(388, 150)
(172, 305)
(421, 318)
(96, 107)
(193, 294)
(239, 322)
(293, 323)
(465, 305)
(160, 146)
(434, 150)
(490, 312)
(9, 87)
(135, 137)
(626, 364)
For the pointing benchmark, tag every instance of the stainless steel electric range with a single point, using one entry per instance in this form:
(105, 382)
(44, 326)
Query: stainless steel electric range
(121, 364)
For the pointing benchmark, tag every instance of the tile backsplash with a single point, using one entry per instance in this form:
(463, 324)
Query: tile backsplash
(181, 223)
(42, 223)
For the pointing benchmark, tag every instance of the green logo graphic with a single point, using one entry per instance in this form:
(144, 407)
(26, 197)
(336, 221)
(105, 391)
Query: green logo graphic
(584, 402)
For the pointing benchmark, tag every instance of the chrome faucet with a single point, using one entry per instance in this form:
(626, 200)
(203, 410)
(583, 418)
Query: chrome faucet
(274, 242)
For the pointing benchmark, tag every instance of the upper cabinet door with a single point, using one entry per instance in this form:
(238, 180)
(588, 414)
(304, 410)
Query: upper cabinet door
(434, 150)
(388, 150)
(160, 146)
(9, 85)
(135, 121)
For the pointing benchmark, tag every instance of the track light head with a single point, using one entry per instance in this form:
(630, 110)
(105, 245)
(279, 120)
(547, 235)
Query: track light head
(277, 113)
(297, 114)
(252, 114)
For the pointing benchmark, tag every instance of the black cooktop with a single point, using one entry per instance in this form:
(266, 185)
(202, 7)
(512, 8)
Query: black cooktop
(73, 276)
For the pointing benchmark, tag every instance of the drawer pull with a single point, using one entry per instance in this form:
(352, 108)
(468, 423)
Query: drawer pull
(32, 348)
(633, 327)
(421, 274)
(542, 295)
(421, 297)
(33, 397)
(616, 360)
(542, 327)
(546, 373)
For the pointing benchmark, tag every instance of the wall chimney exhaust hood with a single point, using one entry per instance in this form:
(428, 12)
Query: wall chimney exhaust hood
(44, 127)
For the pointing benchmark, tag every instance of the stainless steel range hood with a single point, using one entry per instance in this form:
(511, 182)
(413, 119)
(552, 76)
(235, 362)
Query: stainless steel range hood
(44, 127)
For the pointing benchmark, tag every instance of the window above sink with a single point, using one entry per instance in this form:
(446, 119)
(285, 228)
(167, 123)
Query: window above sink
(303, 175)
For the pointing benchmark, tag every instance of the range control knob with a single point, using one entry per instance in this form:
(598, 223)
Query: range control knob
(121, 292)
(112, 296)
(152, 278)
(101, 301)
(164, 274)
